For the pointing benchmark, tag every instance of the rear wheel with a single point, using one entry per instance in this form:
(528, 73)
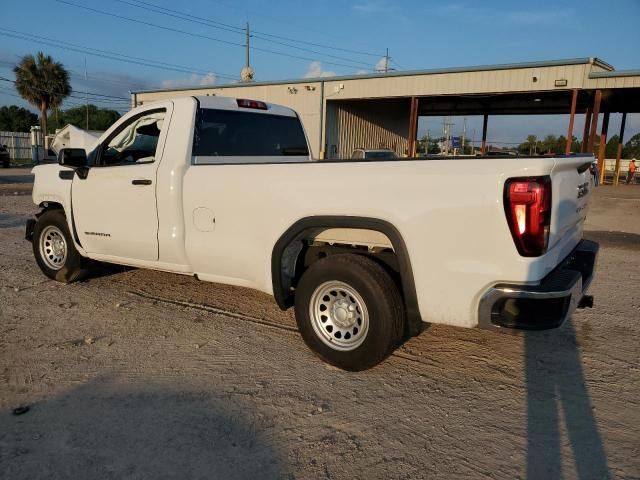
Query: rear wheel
(54, 250)
(349, 311)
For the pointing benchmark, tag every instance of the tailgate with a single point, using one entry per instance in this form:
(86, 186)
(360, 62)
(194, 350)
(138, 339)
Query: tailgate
(571, 190)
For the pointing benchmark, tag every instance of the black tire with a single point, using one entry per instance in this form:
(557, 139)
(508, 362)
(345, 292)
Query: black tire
(382, 302)
(75, 266)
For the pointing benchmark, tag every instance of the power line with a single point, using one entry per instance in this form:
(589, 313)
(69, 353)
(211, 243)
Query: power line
(185, 16)
(213, 24)
(107, 98)
(90, 78)
(231, 28)
(289, 24)
(110, 103)
(29, 37)
(136, 20)
(199, 35)
(3, 91)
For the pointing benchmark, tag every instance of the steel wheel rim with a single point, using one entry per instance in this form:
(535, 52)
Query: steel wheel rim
(53, 247)
(339, 316)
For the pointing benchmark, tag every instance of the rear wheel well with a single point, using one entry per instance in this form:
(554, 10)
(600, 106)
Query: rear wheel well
(298, 248)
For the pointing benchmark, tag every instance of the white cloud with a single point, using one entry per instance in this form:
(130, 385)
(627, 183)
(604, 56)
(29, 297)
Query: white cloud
(194, 80)
(315, 70)
(380, 65)
(361, 72)
(372, 6)
(471, 13)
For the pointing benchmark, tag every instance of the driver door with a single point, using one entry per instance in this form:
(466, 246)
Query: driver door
(114, 207)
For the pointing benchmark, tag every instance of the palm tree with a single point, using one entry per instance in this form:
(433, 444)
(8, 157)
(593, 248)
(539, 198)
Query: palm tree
(532, 141)
(43, 83)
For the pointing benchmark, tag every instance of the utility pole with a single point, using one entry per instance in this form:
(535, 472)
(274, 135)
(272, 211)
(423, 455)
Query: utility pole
(464, 133)
(247, 73)
(473, 142)
(247, 45)
(447, 124)
(86, 96)
(386, 61)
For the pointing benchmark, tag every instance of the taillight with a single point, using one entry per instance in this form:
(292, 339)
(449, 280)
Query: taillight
(252, 104)
(527, 204)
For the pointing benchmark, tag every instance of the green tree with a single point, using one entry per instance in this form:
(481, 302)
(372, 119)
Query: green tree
(611, 150)
(575, 144)
(531, 142)
(99, 118)
(549, 144)
(16, 119)
(42, 82)
(632, 147)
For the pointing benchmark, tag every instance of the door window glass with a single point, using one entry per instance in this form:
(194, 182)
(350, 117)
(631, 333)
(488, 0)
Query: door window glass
(136, 142)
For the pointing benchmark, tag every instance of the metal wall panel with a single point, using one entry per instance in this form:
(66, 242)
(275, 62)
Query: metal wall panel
(383, 123)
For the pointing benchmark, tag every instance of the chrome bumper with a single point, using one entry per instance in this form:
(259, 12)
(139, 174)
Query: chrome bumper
(547, 304)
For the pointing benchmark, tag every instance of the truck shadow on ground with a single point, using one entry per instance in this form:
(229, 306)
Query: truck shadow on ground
(556, 385)
(105, 429)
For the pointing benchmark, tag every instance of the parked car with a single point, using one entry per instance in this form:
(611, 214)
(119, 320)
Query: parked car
(225, 190)
(5, 156)
(371, 154)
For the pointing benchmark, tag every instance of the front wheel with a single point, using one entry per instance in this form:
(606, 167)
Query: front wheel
(349, 311)
(54, 250)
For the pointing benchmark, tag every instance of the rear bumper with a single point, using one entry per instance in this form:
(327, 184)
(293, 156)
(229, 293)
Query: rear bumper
(546, 305)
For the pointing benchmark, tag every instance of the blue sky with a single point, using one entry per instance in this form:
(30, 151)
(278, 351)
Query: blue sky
(419, 34)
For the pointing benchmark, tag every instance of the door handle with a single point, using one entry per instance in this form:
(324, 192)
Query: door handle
(141, 182)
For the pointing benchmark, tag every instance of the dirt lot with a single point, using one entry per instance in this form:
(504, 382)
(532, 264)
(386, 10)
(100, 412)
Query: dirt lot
(139, 374)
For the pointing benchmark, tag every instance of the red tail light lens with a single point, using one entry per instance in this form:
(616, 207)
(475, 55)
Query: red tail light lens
(528, 208)
(252, 104)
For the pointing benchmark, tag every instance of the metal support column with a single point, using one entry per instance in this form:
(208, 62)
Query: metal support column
(603, 145)
(572, 114)
(485, 120)
(594, 121)
(585, 130)
(616, 175)
(413, 127)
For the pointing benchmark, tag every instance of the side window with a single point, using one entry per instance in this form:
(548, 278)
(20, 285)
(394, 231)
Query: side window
(135, 142)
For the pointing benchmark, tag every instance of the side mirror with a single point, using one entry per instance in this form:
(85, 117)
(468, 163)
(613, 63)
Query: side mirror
(72, 157)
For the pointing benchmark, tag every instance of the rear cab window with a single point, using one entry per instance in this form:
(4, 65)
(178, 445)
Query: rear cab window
(238, 137)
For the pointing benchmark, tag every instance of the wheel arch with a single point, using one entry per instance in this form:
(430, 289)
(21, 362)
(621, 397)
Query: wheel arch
(47, 205)
(288, 247)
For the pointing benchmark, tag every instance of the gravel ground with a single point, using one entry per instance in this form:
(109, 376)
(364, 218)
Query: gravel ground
(140, 374)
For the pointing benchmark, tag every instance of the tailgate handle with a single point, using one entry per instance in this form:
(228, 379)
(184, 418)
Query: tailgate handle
(141, 182)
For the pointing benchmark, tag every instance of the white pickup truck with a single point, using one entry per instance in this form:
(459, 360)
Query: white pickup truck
(368, 251)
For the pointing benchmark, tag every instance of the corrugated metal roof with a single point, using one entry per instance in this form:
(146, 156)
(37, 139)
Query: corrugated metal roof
(408, 73)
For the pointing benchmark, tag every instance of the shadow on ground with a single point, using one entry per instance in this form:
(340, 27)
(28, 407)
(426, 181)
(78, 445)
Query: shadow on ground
(556, 390)
(107, 430)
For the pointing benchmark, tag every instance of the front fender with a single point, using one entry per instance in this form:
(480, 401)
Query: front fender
(53, 190)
